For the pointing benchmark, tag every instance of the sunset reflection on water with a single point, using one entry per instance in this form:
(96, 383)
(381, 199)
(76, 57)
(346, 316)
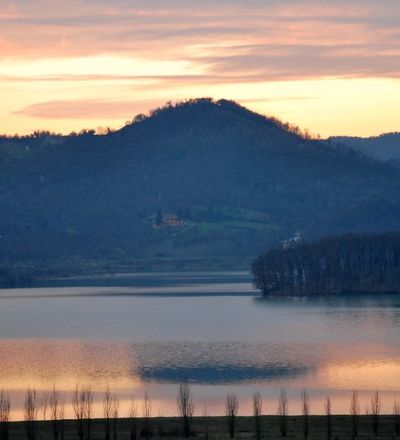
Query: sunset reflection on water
(65, 364)
(149, 343)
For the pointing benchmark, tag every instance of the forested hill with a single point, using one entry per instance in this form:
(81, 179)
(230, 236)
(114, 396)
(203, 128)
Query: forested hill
(385, 147)
(196, 179)
(344, 264)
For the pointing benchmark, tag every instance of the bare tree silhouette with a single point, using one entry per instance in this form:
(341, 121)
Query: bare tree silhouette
(376, 405)
(4, 415)
(206, 424)
(328, 414)
(147, 430)
(232, 407)
(43, 405)
(55, 412)
(31, 409)
(107, 409)
(115, 410)
(78, 406)
(133, 420)
(185, 407)
(354, 412)
(396, 413)
(88, 399)
(82, 403)
(62, 418)
(257, 411)
(283, 412)
(305, 410)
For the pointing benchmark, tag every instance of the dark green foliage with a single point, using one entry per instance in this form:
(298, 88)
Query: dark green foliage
(343, 264)
(159, 218)
(241, 181)
(15, 277)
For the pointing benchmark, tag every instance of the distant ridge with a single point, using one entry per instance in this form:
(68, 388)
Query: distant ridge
(385, 147)
(197, 179)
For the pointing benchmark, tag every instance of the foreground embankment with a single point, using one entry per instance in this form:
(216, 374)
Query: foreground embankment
(342, 427)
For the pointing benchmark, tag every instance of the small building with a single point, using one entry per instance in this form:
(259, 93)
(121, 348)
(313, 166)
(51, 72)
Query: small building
(168, 219)
(171, 219)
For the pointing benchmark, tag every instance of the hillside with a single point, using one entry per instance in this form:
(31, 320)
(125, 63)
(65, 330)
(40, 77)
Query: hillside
(385, 147)
(196, 179)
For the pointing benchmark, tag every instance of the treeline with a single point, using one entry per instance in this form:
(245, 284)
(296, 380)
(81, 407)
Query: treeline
(44, 418)
(342, 264)
(11, 277)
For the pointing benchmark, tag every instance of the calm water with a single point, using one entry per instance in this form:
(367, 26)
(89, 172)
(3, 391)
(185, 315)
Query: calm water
(148, 332)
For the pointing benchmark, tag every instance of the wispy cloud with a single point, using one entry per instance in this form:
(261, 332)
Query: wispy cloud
(86, 109)
(77, 58)
(307, 37)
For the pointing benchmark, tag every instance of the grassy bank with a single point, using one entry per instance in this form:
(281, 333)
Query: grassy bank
(215, 428)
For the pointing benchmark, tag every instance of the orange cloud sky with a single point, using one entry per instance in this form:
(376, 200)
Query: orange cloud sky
(323, 57)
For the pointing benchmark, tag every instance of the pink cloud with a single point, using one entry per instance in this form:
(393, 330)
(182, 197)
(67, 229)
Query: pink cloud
(259, 39)
(88, 109)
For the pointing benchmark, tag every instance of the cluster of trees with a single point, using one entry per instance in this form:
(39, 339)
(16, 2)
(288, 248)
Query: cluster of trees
(38, 408)
(14, 277)
(342, 264)
(39, 134)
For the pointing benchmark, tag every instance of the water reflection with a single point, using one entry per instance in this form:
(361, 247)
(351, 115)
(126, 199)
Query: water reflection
(71, 362)
(213, 369)
(151, 332)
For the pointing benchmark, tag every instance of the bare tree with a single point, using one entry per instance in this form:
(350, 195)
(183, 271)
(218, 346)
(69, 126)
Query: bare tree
(257, 411)
(376, 406)
(82, 403)
(4, 415)
(328, 414)
(55, 412)
(115, 410)
(79, 411)
(31, 409)
(107, 410)
(232, 407)
(354, 412)
(133, 417)
(305, 410)
(186, 407)
(396, 414)
(43, 405)
(206, 424)
(62, 417)
(283, 412)
(88, 400)
(147, 430)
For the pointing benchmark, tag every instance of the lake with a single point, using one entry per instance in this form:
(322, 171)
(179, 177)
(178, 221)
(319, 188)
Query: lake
(147, 332)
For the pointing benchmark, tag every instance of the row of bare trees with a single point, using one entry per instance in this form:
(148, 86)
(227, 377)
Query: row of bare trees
(83, 399)
(374, 411)
(186, 407)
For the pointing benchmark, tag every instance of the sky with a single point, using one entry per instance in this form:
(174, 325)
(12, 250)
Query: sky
(329, 66)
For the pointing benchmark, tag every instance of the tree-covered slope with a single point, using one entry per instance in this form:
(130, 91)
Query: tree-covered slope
(385, 147)
(343, 264)
(234, 181)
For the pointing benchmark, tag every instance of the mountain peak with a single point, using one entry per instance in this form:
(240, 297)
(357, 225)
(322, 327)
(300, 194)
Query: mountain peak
(209, 112)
